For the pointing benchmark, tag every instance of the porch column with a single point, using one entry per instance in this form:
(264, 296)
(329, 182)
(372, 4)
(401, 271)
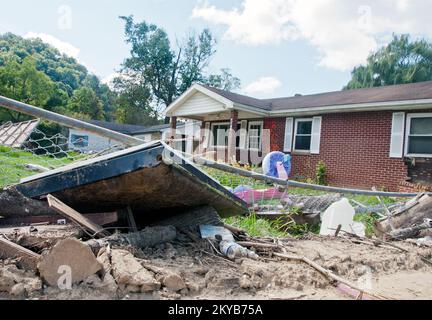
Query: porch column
(232, 152)
(172, 131)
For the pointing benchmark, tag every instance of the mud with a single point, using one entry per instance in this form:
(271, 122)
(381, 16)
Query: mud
(192, 270)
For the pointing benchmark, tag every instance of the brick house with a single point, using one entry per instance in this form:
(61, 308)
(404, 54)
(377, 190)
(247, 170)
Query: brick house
(366, 137)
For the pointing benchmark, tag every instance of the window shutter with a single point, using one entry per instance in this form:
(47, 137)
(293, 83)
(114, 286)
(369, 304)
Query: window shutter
(397, 135)
(289, 127)
(243, 134)
(207, 135)
(316, 135)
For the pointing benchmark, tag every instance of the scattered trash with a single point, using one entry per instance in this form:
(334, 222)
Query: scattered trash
(210, 232)
(277, 165)
(339, 213)
(233, 251)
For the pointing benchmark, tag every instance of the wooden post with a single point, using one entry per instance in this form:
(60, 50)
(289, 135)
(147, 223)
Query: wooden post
(172, 132)
(232, 132)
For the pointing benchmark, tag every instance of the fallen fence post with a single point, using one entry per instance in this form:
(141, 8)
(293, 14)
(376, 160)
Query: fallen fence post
(296, 184)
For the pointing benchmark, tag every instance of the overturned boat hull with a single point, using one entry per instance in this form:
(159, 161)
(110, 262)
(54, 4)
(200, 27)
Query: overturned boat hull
(151, 179)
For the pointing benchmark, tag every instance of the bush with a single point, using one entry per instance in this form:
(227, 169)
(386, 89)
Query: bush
(321, 173)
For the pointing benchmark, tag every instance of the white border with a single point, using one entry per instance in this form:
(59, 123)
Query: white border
(297, 120)
(408, 130)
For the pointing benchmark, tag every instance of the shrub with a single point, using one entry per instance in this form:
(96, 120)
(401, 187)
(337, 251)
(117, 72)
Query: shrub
(321, 173)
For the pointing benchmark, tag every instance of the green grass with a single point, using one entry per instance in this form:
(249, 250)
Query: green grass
(13, 162)
(260, 227)
(256, 227)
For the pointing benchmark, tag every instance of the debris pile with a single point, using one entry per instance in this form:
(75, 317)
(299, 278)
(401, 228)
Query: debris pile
(191, 263)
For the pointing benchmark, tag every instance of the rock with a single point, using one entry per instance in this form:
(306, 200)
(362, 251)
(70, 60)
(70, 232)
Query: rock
(174, 282)
(194, 287)
(245, 282)
(108, 280)
(18, 290)
(6, 282)
(130, 275)
(71, 253)
(202, 271)
(32, 285)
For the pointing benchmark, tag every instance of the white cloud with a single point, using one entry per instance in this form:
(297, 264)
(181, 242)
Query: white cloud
(109, 79)
(264, 85)
(344, 32)
(62, 46)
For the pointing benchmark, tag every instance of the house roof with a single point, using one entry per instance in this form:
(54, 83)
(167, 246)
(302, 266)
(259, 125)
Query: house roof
(241, 99)
(400, 93)
(404, 92)
(129, 129)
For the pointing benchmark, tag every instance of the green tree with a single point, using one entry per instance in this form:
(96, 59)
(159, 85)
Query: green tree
(134, 101)
(167, 71)
(85, 102)
(225, 80)
(65, 72)
(23, 82)
(401, 61)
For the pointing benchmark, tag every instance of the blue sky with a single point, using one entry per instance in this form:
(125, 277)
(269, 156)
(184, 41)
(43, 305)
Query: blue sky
(276, 47)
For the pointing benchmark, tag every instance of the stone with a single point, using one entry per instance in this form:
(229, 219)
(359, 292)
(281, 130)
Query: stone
(130, 275)
(18, 290)
(69, 253)
(6, 282)
(174, 282)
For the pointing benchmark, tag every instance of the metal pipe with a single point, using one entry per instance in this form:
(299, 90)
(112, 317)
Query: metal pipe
(68, 122)
(261, 177)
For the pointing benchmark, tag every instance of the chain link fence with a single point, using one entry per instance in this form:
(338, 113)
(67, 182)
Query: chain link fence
(33, 146)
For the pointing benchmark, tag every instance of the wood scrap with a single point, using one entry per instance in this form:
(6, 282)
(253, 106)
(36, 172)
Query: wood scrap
(235, 230)
(415, 214)
(27, 259)
(329, 274)
(412, 232)
(77, 217)
(258, 245)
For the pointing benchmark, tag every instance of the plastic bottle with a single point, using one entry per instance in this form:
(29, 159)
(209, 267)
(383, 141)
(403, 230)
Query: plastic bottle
(233, 250)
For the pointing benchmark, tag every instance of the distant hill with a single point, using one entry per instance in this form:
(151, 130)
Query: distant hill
(71, 84)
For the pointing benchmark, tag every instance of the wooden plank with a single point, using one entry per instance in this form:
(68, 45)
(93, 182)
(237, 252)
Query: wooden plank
(75, 216)
(28, 259)
(98, 218)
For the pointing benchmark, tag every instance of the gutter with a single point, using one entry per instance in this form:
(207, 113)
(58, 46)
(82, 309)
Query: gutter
(390, 105)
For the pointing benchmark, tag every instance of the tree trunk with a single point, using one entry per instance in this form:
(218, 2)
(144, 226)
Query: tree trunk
(13, 204)
(148, 237)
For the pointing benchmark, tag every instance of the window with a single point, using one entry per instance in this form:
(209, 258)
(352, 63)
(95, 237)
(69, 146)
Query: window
(80, 141)
(303, 134)
(220, 134)
(419, 134)
(255, 135)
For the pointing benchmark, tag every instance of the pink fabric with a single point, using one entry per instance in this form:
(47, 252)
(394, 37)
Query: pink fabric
(254, 196)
